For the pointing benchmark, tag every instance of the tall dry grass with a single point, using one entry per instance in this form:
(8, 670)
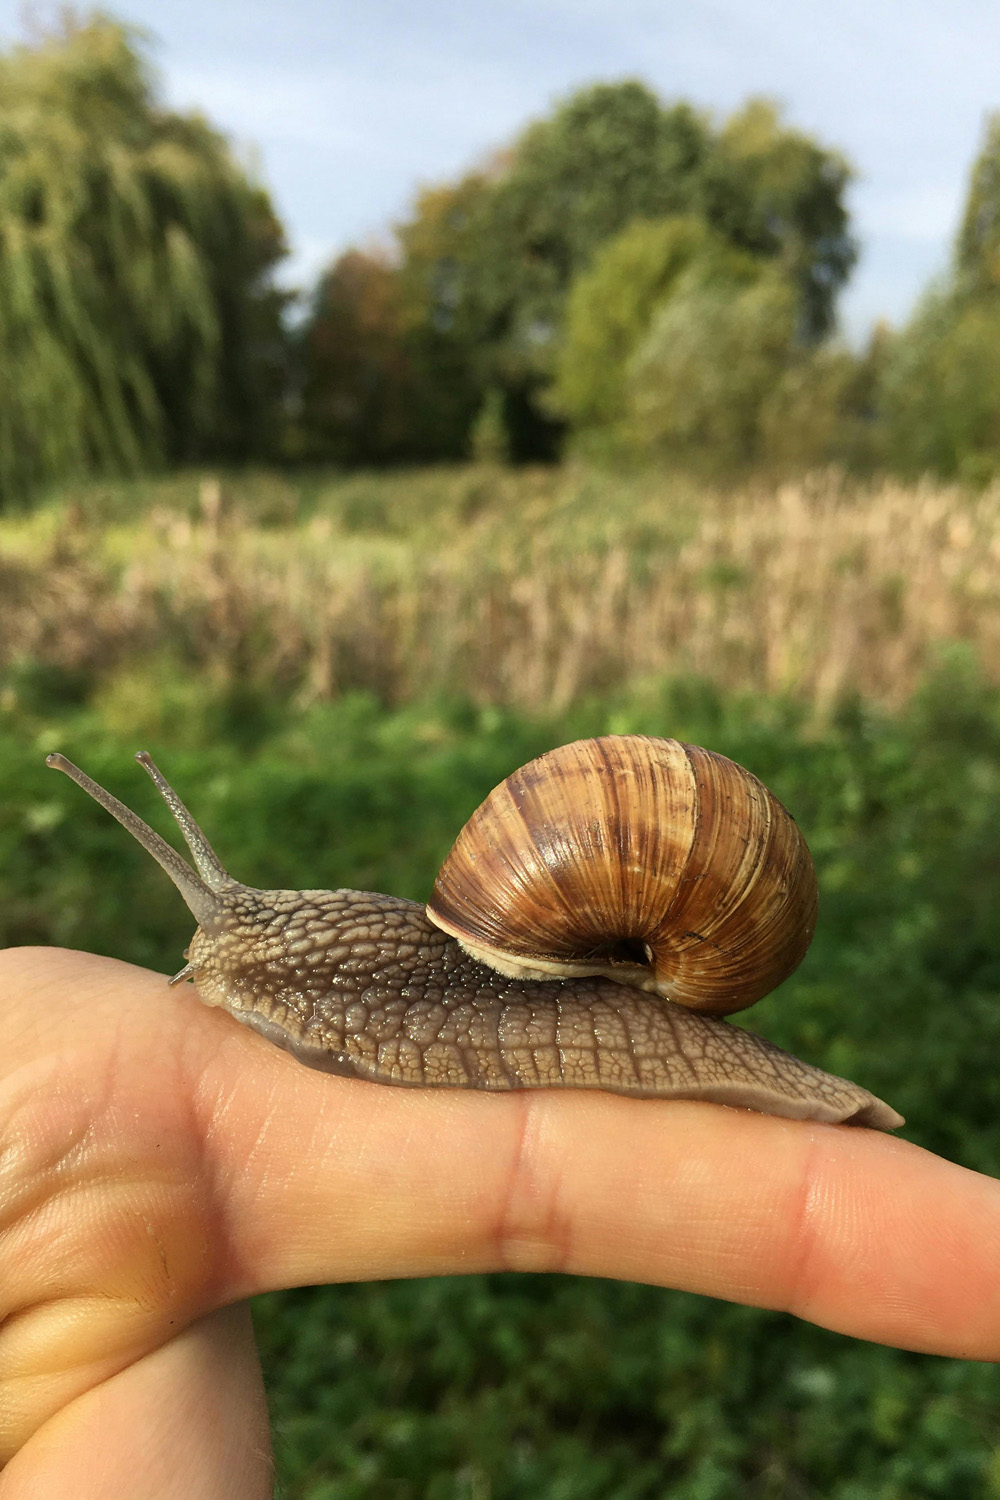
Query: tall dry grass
(531, 590)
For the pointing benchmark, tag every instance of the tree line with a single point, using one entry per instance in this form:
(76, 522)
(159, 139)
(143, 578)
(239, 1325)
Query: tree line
(629, 279)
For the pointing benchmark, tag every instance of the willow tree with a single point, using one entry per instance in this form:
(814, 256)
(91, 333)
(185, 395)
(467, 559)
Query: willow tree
(138, 324)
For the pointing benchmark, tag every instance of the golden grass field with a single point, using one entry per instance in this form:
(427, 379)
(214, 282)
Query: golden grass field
(532, 589)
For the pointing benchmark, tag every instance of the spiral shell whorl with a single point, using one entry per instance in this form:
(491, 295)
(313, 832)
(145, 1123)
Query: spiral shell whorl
(658, 863)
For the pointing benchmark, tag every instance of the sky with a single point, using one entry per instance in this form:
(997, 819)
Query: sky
(348, 106)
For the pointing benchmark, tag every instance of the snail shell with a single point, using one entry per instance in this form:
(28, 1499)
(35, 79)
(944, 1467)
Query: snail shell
(644, 865)
(659, 864)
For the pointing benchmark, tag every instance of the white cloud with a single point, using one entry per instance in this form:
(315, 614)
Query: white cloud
(351, 105)
(927, 213)
(296, 107)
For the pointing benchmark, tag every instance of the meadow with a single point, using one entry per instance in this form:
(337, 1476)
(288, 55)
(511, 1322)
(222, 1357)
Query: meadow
(531, 589)
(333, 672)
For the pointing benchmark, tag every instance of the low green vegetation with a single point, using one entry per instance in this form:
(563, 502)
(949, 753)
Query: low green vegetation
(513, 1386)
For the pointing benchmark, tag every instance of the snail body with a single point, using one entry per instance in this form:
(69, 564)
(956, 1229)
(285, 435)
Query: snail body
(592, 892)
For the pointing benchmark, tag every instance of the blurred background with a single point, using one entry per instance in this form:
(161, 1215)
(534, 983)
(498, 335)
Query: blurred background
(390, 393)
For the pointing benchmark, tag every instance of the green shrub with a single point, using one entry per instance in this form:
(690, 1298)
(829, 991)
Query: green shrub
(612, 303)
(699, 382)
(940, 390)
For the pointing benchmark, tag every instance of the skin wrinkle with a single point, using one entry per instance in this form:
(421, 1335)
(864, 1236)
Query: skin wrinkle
(32, 1231)
(556, 1224)
(811, 1210)
(803, 1269)
(524, 1236)
(187, 1419)
(168, 1278)
(21, 1186)
(842, 1224)
(342, 1145)
(37, 1098)
(210, 1114)
(75, 1376)
(42, 1178)
(820, 1205)
(815, 1215)
(113, 1212)
(206, 1169)
(73, 1122)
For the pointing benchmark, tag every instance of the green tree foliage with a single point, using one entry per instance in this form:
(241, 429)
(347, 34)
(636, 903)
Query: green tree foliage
(137, 322)
(723, 381)
(977, 249)
(489, 442)
(488, 262)
(940, 387)
(610, 154)
(821, 412)
(379, 383)
(715, 352)
(611, 306)
(940, 392)
(777, 193)
(357, 374)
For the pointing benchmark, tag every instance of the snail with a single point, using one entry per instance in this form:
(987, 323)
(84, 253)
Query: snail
(597, 915)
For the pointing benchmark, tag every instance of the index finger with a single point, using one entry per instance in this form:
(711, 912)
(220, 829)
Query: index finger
(243, 1171)
(849, 1228)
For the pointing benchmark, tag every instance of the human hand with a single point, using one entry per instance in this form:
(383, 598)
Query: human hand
(159, 1165)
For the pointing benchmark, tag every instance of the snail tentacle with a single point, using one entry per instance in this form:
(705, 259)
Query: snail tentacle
(201, 899)
(209, 866)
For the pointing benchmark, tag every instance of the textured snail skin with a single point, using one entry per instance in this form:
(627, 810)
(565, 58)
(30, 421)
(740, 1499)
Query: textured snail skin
(364, 985)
